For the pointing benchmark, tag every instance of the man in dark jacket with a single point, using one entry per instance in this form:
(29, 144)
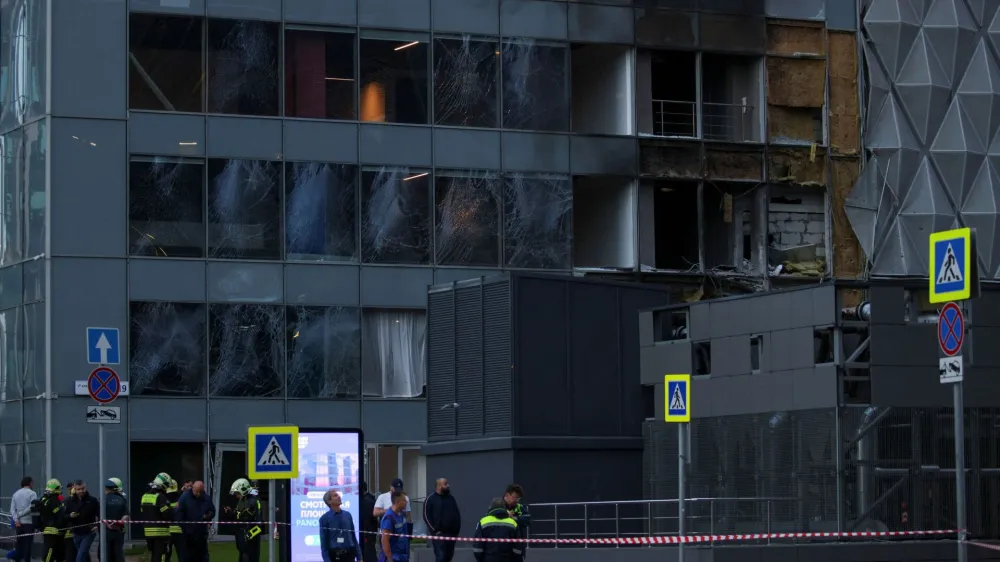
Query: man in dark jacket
(194, 511)
(368, 523)
(443, 520)
(512, 501)
(116, 517)
(498, 524)
(84, 510)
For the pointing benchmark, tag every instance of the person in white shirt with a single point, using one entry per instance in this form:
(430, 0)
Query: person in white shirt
(21, 506)
(384, 501)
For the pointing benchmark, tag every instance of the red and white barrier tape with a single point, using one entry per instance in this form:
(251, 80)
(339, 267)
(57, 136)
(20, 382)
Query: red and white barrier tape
(636, 540)
(985, 545)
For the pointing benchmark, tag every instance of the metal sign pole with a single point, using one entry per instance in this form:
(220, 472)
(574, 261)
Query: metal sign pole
(101, 547)
(271, 503)
(681, 483)
(960, 468)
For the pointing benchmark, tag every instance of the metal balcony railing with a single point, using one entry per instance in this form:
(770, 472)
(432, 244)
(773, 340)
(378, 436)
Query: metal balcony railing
(657, 518)
(729, 122)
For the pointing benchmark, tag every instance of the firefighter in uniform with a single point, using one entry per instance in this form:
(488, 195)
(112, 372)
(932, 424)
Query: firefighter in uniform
(156, 508)
(176, 544)
(247, 516)
(50, 512)
(498, 524)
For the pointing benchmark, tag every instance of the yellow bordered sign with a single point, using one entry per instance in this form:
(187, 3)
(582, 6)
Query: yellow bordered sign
(273, 452)
(952, 266)
(677, 398)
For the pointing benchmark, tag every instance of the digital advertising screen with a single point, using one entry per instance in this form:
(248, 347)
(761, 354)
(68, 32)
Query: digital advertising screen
(328, 460)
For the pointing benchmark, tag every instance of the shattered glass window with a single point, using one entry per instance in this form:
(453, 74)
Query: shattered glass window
(167, 207)
(465, 82)
(395, 215)
(319, 74)
(535, 87)
(468, 209)
(244, 209)
(246, 357)
(166, 68)
(321, 211)
(394, 80)
(324, 352)
(167, 349)
(538, 221)
(243, 67)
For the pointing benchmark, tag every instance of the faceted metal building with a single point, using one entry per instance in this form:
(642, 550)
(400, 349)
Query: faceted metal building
(931, 131)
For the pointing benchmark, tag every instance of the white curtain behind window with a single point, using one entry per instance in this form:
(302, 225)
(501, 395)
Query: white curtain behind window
(395, 353)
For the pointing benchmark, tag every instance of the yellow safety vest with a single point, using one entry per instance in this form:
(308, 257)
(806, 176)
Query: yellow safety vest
(174, 529)
(152, 513)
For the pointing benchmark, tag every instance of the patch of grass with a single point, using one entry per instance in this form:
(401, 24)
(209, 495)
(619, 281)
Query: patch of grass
(218, 551)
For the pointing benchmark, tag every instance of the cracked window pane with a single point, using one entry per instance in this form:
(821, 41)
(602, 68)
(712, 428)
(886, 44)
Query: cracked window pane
(165, 70)
(538, 221)
(242, 67)
(22, 61)
(167, 349)
(319, 74)
(535, 90)
(394, 81)
(35, 155)
(395, 216)
(12, 197)
(33, 382)
(394, 346)
(321, 211)
(246, 354)
(465, 82)
(324, 352)
(468, 218)
(244, 209)
(167, 208)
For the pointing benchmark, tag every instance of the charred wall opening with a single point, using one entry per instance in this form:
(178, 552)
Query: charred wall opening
(667, 93)
(731, 87)
(668, 225)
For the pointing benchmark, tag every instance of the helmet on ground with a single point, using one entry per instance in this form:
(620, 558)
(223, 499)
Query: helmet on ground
(161, 482)
(53, 486)
(172, 487)
(241, 486)
(114, 484)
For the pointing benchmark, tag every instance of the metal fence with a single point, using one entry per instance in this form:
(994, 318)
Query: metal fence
(849, 469)
(655, 518)
(719, 121)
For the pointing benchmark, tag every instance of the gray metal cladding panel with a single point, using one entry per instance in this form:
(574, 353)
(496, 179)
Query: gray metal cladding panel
(904, 345)
(541, 353)
(985, 311)
(469, 360)
(595, 399)
(789, 349)
(700, 321)
(887, 305)
(731, 356)
(664, 358)
(630, 301)
(911, 386)
(496, 357)
(440, 365)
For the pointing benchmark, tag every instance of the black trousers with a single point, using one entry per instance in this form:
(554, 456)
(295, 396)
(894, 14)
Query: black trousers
(69, 550)
(175, 546)
(342, 555)
(157, 548)
(53, 546)
(368, 548)
(195, 548)
(115, 545)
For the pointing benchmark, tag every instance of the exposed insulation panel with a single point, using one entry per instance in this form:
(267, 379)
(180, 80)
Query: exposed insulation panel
(845, 112)
(734, 164)
(795, 38)
(659, 159)
(794, 124)
(847, 255)
(803, 166)
(795, 82)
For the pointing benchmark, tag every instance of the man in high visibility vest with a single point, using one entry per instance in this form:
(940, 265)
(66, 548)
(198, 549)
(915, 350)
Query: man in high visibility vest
(51, 514)
(500, 526)
(175, 544)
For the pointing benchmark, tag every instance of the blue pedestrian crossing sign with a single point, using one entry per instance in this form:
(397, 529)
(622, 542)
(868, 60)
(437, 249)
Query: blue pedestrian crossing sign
(273, 452)
(952, 265)
(677, 398)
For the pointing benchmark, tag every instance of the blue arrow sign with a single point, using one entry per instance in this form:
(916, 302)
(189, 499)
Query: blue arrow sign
(103, 346)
